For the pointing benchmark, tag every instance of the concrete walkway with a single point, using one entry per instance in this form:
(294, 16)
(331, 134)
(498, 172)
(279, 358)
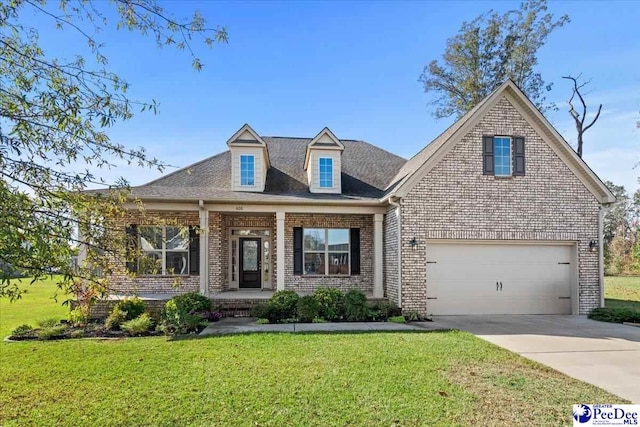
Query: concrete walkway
(604, 354)
(245, 325)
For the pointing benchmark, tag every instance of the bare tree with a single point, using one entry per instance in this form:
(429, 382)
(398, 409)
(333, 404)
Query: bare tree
(580, 118)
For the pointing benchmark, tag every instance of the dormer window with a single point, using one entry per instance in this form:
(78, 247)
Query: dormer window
(325, 167)
(323, 163)
(247, 170)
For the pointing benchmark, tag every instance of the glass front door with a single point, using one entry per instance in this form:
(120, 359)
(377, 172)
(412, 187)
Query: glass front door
(250, 262)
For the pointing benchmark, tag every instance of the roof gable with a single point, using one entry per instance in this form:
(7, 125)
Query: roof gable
(325, 140)
(419, 165)
(247, 137)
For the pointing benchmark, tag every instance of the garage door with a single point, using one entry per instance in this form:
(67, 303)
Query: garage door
(498, 279)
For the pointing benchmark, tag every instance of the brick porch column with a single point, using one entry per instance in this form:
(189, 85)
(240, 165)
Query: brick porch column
(378, 290)
(204, 251)
(280, 250)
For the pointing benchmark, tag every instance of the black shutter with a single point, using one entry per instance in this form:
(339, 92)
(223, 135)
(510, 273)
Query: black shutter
(518, 156)
(487, 155)
(194, 251)
(132, 246)
(355, 250)
(297, 250)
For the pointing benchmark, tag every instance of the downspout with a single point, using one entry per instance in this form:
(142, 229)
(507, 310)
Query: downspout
(601, 213)
(399, 216)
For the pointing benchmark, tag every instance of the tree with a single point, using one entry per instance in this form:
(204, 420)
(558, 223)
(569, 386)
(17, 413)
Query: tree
(487, 51)
(581, 117)
(621, 228)
(54, 117)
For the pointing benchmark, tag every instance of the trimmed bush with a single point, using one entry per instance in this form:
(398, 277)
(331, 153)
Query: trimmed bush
(262, 321)
(355, 306)
(179, 314)
(615, 315)
(134, 307)
(331, 302)
(116, 318)
(382, 310)
(77, 317)
(308, 308)
(138, 326)
(281, 306)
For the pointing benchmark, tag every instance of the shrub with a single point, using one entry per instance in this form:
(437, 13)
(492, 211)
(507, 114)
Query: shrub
(133, 307)
(179, 314)
(281, 306)
(318, 320)
(116, 318)
(615, 315)
(77, 317)
(48, 323)
(382, 310)
(22, 330)
(331, 302)
(262, 321)
(50, 332)
(137, 326)
(308, 308)
(355, 306)
(397, 319)
(414, 316)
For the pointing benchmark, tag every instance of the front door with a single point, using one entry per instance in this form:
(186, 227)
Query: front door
(250, 264)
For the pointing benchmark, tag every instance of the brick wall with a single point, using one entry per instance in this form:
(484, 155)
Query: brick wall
(175, 284)
(390, 255)
(363, 281)
(456, 201)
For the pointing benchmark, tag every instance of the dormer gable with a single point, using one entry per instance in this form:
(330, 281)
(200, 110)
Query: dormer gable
(323, 163)
(249, 160)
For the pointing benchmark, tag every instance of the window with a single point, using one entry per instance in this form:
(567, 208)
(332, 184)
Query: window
(326, 251)
(247, 170)
(326, 172)
(165, 250)
(502, 155)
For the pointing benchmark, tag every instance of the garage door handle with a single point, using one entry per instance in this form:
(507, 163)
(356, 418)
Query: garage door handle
(564, 297)
(500, 286)
(497, 287)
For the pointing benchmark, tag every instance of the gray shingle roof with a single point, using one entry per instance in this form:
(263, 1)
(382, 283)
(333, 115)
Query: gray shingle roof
(366, 173)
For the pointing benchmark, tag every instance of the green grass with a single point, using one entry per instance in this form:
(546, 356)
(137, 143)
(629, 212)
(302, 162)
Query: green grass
(408, 379)
(622, 292)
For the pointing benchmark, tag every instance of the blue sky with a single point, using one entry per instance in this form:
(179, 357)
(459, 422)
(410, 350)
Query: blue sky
(291, 68)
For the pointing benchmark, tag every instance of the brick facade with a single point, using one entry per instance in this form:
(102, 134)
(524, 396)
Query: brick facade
(122, 283)
(304, 283)
(456, 201)
(390, 255)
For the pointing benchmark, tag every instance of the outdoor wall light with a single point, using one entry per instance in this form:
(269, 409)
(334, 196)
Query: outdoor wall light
(593, 246)
(414, 243)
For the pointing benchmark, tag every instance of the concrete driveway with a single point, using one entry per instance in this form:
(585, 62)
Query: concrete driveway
(604, 354)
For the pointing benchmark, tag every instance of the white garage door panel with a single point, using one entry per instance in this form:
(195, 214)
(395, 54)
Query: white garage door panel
(461, 279)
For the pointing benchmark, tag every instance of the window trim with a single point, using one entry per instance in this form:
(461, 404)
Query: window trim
(326, 252)
(495, 157)
(330, 159)
(253, 170)
(163, 252)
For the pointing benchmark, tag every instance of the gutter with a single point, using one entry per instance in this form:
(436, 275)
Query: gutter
(399, 216)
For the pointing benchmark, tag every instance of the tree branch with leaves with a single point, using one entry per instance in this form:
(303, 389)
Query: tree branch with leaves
(485, 53)
(54, 120)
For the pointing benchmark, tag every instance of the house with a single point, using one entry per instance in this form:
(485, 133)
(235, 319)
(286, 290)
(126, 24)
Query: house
(497, 215)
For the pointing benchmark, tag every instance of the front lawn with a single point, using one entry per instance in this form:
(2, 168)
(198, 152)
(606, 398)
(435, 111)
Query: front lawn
(444, 378)
(622, 292)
